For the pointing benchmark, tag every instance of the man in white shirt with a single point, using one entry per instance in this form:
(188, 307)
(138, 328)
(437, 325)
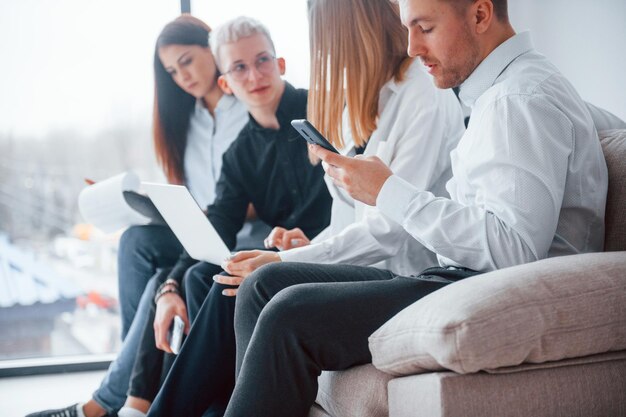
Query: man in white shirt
(529, 182)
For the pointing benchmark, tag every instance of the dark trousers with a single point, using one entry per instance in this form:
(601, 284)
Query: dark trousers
(294, 320)
(142, 251)
(202, 375)
(151, 364)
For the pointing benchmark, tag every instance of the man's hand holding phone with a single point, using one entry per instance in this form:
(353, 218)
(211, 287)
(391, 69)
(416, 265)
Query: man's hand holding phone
(176, 334)
(168, 306)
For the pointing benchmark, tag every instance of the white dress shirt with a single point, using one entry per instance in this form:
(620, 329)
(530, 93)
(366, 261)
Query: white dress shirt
(417, 127)
(208, 138)
(529, 177)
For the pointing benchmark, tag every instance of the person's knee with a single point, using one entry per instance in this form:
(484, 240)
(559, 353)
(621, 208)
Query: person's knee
(286, 312)
(253, 294)
(151, 286)
(194, 278)
(130, 284)
(259, 282)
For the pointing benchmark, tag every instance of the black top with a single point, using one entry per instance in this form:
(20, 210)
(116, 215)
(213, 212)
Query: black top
(270, 169)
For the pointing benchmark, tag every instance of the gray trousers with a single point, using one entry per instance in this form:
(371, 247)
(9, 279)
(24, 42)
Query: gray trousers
(293, 320)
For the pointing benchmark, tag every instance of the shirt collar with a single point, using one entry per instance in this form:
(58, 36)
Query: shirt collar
(224, 103)
(287, 103)
(199, 105)
(388, 89)
(392, 86)
(488, 71)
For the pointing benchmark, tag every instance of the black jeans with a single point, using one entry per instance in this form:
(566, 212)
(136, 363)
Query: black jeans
(151, 364)
(202, 376)
(294, 320)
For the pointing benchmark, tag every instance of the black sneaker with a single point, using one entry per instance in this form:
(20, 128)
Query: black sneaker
(61, 412)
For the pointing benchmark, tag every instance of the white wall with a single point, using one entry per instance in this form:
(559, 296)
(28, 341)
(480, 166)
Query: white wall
(585, 39)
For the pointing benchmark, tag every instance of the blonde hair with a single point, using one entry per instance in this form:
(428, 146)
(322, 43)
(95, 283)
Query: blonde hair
(356, 47)
(235, 29)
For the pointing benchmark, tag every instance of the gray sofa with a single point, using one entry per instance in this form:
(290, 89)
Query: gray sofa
(570, 359)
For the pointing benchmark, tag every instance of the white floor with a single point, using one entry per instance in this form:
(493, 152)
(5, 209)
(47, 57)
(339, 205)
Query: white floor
(22, 395)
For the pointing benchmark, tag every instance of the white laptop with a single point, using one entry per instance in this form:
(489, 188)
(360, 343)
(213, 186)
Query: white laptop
(190, 225)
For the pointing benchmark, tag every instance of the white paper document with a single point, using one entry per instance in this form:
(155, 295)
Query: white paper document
(103, 204)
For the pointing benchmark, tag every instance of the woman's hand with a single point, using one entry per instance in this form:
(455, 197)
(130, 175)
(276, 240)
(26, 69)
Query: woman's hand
(168, 306)
(284, 239)
(242, 264)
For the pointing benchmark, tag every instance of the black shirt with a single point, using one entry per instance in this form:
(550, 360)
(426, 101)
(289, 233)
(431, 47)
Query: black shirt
(270, 169)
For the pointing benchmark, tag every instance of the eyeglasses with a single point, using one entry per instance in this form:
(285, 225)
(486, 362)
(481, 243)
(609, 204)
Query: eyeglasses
(264, 64)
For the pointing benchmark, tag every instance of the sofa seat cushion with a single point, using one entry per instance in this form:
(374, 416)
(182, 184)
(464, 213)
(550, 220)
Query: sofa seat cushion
(358, 391)
(614, 147)
(548, 310)
(588, 388)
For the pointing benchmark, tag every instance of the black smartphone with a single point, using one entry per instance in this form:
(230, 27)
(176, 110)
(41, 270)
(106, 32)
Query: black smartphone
(311, 135)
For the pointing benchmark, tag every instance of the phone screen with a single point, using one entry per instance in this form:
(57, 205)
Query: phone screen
(176, 334)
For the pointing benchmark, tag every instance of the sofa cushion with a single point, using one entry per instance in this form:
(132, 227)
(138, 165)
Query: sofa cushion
(358, 391)
(548, 310)
(614, 147)
(587, 389)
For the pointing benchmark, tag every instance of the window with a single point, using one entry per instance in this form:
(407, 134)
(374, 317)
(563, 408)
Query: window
(77, 91)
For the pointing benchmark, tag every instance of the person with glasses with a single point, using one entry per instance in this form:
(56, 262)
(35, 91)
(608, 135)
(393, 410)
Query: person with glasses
(264, 64)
